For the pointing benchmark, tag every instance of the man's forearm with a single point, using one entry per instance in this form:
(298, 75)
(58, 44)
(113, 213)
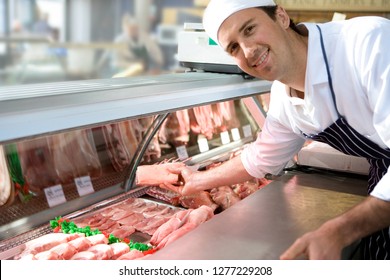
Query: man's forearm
(365, 218)
(228, 173)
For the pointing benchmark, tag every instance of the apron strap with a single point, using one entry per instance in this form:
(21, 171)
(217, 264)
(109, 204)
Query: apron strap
(328, 71)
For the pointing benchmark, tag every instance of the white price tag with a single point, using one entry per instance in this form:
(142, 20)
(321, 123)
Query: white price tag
(55, 195)
(236, 134)
(84, 185)
(203, 145)
(182, 152)
(225, 138)
(247, 131)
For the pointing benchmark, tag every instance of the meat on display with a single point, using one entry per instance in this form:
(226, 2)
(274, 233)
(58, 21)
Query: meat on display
(162, 223)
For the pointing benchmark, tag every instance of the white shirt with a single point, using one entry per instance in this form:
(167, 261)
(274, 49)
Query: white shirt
(359, 61)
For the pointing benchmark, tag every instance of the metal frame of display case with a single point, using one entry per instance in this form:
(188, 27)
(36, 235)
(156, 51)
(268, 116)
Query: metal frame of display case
(28, 111)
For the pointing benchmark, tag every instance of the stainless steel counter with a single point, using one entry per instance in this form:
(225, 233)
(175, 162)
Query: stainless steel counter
(266, 223)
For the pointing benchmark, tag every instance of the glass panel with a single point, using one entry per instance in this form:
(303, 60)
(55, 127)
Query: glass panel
(77, 163)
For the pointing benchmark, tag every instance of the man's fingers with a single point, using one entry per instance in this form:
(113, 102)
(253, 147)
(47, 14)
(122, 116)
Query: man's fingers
(171, 187)
(297, 250)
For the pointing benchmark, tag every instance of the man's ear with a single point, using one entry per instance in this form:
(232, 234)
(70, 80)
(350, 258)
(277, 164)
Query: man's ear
(282, 17)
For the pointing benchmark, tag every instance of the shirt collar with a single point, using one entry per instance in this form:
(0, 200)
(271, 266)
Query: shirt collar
(315, 68)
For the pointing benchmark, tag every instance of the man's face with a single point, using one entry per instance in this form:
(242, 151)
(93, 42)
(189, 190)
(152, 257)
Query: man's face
(258, 44)
(133, 31)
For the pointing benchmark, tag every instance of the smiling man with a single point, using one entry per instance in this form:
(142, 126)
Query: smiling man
(331, 83)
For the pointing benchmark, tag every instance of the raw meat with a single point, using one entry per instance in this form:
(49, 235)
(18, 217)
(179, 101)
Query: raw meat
(65, 251)
(159, 210)
(47, 255)
(81, 243)
(70, 164)
(175, 235)
(224, 196)
(5, 179)
(46, 242)
(175, 129)
(123, 231)
(200, 215)
(115, 146)
(98, 239)
(132, 255)
(119, 249)
(102, 251)
(131, 220)
(198, 199)
(173, 198)
(84, 255)
(174, 230)
(204, 118)
(170, 226)
(28, 257)
(37, 164)
(150, 225)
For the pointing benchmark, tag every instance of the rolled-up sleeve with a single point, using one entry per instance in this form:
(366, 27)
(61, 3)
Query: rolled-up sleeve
(274, 147)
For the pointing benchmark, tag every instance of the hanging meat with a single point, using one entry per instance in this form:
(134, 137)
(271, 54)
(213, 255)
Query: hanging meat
(74, 155)
(37, 164)
(175, 129)
(115, 146)
(5, 179)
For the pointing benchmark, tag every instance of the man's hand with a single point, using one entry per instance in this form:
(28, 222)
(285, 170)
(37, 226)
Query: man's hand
(321, 244)
(186, 184)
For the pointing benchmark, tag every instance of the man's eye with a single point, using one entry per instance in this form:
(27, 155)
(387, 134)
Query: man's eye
(233, 48)
(249, 29)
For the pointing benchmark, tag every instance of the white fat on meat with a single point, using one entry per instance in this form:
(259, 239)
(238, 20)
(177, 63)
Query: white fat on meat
(65, 251)
(46, 242)
(28, 257)
(102, 251)
(98, 239)
(84, 255)
(81, 244)
(119, 249)
(47, 255)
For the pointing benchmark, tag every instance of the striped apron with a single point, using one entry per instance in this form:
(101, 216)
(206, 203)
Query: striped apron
(341, 136)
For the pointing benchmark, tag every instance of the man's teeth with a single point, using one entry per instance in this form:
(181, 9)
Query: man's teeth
(263, 57)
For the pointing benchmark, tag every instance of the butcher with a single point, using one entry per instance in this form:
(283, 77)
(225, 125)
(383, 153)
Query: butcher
(323, 74)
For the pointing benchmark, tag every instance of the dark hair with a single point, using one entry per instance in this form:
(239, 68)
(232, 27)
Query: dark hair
(271, 12)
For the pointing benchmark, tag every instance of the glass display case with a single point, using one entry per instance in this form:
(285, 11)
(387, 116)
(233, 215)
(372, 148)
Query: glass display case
(71, 148)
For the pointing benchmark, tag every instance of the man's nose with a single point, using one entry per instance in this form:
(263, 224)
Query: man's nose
(249, 50)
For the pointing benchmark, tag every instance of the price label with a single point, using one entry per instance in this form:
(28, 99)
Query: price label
(225, 138)
(182, 152)
(84, 185)
(55, 195)
(247, 131)
(236, 134)
(202, 144)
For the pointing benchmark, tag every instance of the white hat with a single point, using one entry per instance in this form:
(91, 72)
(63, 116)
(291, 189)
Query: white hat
(218, 11)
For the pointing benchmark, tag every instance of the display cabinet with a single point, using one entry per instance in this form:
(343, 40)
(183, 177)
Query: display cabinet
(71, 148)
